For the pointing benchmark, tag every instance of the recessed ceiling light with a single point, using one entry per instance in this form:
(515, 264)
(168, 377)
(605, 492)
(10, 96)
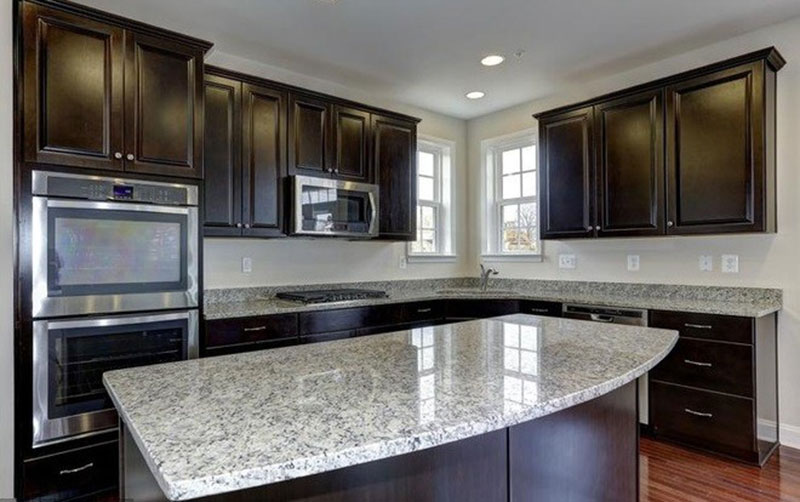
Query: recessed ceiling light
(492, 60)
(475, 94)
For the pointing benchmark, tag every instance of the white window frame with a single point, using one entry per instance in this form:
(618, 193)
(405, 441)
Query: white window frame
(444, 203)
(491, 202)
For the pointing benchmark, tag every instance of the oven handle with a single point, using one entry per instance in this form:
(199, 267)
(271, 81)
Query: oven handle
(117, 206)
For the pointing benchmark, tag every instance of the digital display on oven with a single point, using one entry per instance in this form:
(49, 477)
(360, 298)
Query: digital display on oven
(123, 192)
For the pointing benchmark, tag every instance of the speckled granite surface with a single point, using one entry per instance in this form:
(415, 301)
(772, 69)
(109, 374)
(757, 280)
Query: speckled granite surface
(747, 302)
(227, 423)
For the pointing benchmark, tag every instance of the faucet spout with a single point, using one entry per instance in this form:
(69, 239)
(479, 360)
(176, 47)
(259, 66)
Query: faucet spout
(485, 273)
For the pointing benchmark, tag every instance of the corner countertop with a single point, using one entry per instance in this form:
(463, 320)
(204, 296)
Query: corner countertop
(221, 424)
(734, 301)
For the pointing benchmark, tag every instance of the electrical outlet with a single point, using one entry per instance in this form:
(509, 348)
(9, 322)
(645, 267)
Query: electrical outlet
(730, 264)
(633, 262)
(706, 263)
(403, 262)
(247, 265)
(567, 261)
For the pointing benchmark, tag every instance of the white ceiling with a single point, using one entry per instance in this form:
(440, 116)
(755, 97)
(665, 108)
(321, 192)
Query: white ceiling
(426, 52)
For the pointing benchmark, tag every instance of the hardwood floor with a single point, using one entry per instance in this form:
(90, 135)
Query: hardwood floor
(670, 473)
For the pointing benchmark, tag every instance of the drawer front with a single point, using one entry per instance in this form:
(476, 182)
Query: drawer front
(422, 311)
(72, 474)
(706, 326)
(723, 367)
(481, 309)
(705, 419)
(535, 307)
(250, 346)
(326, 337)
(224, 332)
(326, 321)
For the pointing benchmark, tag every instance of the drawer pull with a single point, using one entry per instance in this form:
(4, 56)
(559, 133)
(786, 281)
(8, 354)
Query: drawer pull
(77, 469)
(424, 311)
(697, 363)
(698, 413)
(258, 328)
(538, 310)
(698, 326)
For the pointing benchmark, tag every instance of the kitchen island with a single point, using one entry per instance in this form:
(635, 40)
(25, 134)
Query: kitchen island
(509, 408)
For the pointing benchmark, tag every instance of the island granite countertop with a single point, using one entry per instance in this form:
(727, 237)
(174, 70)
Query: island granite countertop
(734, 301)
(221, 424)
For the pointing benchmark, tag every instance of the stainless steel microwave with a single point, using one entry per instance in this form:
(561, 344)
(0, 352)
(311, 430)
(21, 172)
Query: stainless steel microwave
(329, 207)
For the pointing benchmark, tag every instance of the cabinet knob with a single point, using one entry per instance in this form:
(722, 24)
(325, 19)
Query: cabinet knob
(590, 228)
(130, 156)
(597, 227)
(669, 224)
(238, 225)
(117, 155)
(336, 170)
(246, 225)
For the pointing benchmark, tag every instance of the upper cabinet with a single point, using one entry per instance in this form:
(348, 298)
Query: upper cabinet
(103, 93)
(395, 159)
(351, 144)
(690, 154)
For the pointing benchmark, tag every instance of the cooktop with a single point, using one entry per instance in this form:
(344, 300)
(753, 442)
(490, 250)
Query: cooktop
(331, 295)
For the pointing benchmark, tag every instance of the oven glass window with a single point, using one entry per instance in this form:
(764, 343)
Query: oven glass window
(78, 358)
(107, 252)
(334, 210)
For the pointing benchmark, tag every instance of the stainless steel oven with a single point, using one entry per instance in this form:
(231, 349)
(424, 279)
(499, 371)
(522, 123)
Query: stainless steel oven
(70, 356)
(324, 206)
(102, 245)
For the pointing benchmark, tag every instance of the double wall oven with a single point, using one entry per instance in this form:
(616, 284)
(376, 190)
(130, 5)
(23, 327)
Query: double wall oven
(114, 284)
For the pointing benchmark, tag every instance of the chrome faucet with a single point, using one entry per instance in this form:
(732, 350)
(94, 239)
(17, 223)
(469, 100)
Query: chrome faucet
(485, 273)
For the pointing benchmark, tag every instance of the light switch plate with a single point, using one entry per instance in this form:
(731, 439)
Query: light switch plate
(247, 265)
(567, 261)
(633, 262)
(403, 262)
(730, 264)
(705, 263)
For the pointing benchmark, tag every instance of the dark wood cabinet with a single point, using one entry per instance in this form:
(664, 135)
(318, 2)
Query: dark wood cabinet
(566, 174)
(717, 151)
(245, 157)
(629, 160)
(693, 153)
(394, 155)
(351, 144)
(104, 95)
(89, 473)
(309, 135)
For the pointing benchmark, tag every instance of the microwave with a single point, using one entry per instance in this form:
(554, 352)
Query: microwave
(336, 208)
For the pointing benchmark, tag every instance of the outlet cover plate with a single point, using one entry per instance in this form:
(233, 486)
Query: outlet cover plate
(567, 261)
(730, 264)
(247, 265)
(705, 263)
(633, 262)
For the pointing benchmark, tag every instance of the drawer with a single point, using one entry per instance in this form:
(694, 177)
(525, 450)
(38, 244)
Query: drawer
(422, 311)
(325, 337)
(705, 326)
(480, 309)
(719, 366)
(325, 321)
(701, 418)
(250, 346)
(536, 307)
(222, 332)
(73, 474)
(376, 330)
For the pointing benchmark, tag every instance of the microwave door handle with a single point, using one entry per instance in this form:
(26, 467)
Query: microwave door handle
(373, 207)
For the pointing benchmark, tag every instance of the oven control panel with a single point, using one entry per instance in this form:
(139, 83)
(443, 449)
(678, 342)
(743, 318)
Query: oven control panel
(110, 189)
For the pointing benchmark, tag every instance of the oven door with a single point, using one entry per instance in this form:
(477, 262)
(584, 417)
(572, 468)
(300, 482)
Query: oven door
(100, 257)
(69, 358)
(334, 208)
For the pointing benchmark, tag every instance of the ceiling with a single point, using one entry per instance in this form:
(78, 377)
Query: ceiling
(426, 52)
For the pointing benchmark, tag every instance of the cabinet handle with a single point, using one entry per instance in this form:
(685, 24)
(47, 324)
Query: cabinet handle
(257, 328)
(698, 413)
(130, 156)
(670, 224)
(697, 363)
(597, 228)
(77, 469)
(590, 228)
(424, 311)
(246, 225)
(336, 170)
(697, 326)
(538, 310)
(238, 225)
(117, 155)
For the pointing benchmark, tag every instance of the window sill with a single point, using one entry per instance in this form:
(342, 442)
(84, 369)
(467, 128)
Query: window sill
(531, 258)
(432, 258)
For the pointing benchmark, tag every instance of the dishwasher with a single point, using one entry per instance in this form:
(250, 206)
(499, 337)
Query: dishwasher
(616, 315)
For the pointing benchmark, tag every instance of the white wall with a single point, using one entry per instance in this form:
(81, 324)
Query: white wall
(764, 260)
(298, 261)
(6, 251)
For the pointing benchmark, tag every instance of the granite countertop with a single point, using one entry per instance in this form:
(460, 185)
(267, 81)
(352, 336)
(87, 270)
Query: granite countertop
(745, 302)
(227, 423)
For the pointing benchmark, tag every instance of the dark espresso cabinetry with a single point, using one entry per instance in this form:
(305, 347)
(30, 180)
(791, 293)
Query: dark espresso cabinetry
(394, 155)
(101, 93)
(689, 154)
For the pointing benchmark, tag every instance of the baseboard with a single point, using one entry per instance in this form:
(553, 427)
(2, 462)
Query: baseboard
(789, 434)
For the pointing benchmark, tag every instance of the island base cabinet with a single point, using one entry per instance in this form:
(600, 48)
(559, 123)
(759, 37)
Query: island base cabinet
(585, 453)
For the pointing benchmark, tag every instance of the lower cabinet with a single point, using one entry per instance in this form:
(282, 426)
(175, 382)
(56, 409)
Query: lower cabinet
(717, 389)
(89, 473)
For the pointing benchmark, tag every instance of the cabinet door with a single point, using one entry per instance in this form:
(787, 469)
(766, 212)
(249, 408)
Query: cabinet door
(566, 181)
(351, 138)
(222, 157)
(263, 159)
(715, 152)
(394, 158)
(163, 107)
(73, 95)
(308, 135)
(630, 165)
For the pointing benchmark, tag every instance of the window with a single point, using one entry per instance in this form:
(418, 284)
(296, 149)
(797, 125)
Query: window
(434, 201)
(511, 206)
